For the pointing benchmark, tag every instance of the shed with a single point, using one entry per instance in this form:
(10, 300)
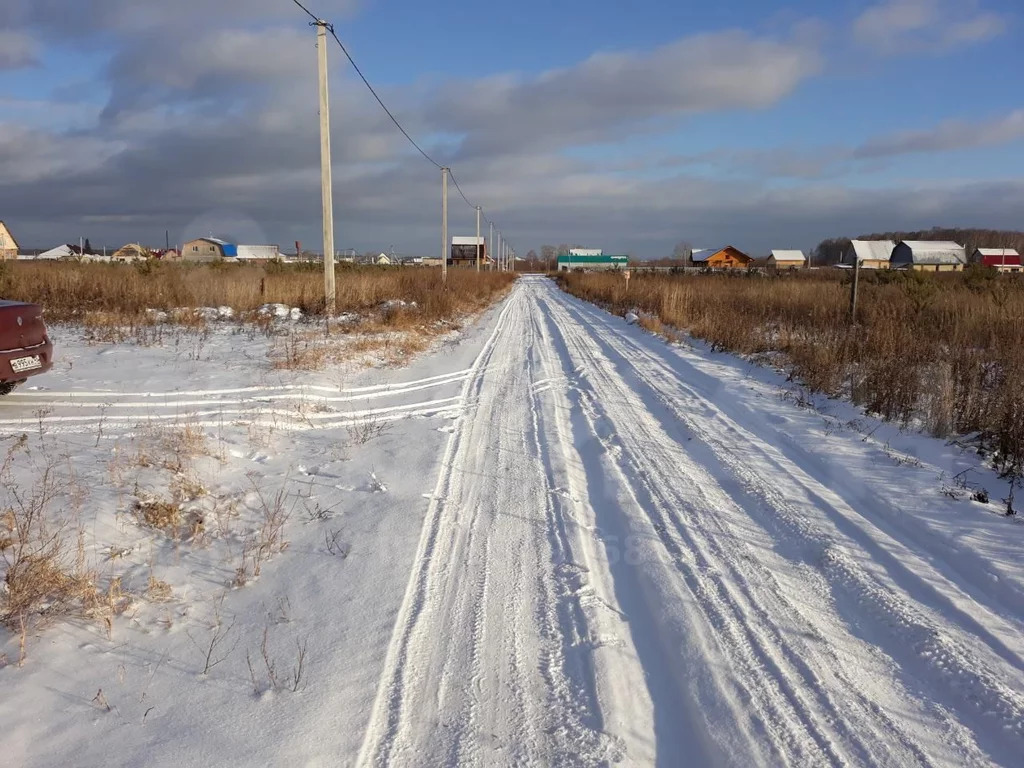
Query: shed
(258, 252)
(929, 256)
(568, 262)
(721, 258)
(872, 254)
(1003, 259)
(787, 259)
(8, 245)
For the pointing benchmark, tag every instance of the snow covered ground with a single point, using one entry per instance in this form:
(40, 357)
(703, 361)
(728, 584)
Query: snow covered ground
(555, 540)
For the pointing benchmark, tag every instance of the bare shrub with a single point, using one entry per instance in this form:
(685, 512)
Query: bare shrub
(45, 571)
(215, 647)
(269, 669)
(366, 427)
(268, 539)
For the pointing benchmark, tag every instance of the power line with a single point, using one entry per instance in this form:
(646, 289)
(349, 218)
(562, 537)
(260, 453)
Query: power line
(456, 183)
(304, 8)
(379, 100)
(330, 28)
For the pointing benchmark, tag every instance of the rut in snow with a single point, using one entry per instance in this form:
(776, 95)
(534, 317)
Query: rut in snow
(616, 568)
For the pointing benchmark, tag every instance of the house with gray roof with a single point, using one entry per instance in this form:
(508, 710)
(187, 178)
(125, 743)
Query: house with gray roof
(871, 254)
(929, 256)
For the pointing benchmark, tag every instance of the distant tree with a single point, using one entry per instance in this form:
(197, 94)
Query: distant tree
(531, 255)
(563, 249)
(88, 247)
(548, 253)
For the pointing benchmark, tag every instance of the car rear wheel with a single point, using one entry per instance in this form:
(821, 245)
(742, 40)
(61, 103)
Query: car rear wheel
(7, 387)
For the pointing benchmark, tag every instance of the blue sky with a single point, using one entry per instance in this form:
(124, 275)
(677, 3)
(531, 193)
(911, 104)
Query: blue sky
(626, 125)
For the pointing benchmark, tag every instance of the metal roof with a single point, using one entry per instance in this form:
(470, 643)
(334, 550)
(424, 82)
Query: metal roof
(586, 252)
(934, 252)
(997, 252)
(789, 256)
(873, 250)
(703, 254)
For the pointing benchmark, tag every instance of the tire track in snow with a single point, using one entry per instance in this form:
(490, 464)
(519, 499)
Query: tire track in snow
(922, 558)
(474, 674)
(962, 674)
(780, 714)
(112, 413)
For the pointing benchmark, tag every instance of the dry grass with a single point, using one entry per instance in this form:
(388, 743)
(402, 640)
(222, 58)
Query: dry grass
(43, 559)
(113, 296)
(945, 352)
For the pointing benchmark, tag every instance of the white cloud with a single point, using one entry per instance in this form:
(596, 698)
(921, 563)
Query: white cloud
(949, 135)
(593, 100)
(897, 27)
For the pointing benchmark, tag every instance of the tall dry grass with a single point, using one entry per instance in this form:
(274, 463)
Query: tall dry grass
(71, 291)
(943, 352)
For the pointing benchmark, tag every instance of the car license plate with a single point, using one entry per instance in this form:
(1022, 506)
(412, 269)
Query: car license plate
(22, 364)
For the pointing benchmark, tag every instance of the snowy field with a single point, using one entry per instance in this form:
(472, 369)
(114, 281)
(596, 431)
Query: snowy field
(553, 539)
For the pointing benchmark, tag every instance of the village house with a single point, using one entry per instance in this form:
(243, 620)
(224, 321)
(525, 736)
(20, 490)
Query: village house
(1003, 259)
(929, 256)
(466, 251)
(871, 254)
(131, 252)
(8, 245)
(721, 258)
(787, 260)
(208, 249)
(58, 253)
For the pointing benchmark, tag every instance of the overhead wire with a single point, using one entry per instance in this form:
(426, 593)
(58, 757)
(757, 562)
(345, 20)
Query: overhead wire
(317, 21)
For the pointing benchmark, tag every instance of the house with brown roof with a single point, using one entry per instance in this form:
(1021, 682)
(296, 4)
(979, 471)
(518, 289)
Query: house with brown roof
(721, 258)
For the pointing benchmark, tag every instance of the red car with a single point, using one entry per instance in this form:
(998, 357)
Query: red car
(25, 348)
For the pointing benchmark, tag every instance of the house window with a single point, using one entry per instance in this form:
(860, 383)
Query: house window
(195, 248)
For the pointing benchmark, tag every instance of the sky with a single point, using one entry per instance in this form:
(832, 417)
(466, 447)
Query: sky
(626, 126)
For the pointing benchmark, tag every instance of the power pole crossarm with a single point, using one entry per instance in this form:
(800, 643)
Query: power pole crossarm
(325, 169)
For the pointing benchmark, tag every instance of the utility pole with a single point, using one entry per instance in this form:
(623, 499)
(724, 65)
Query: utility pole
(477, 238)
(853, 289)
(444, 226)
(326, 192)
(491, 250)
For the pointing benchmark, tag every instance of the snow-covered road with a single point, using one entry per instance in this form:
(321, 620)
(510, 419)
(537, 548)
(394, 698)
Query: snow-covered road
(627, 559)
(555, 540)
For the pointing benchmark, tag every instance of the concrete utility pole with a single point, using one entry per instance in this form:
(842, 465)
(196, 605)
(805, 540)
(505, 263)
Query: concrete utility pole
(444, 225)
(325, 169)
(477, 238)
(853, 289)
(491, 250)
